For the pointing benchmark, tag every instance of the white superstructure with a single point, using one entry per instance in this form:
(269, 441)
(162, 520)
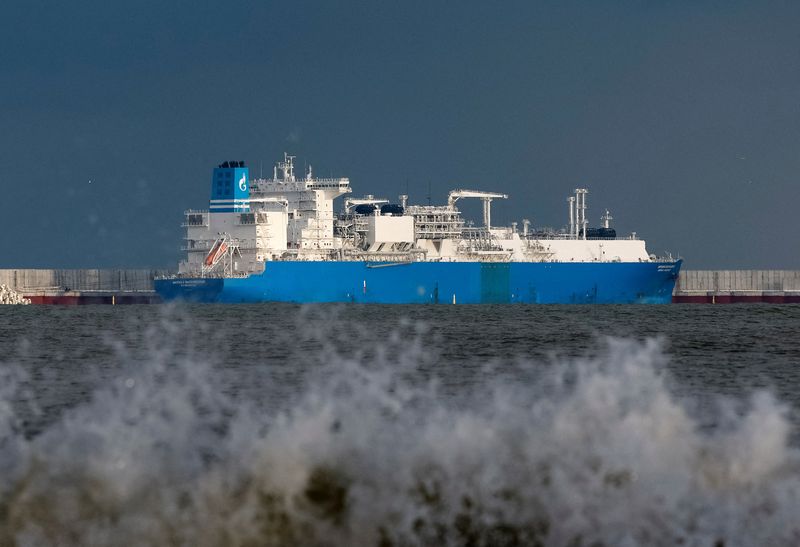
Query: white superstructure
(292, 218)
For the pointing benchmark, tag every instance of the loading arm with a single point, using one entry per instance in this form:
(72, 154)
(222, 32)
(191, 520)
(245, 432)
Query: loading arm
(487, 198)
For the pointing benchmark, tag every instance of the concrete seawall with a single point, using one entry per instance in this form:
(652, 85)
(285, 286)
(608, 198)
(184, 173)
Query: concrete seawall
(120, 286)
(732, 286)
(109, 286)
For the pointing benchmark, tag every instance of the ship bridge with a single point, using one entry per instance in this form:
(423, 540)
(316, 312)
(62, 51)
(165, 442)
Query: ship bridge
(309, 203)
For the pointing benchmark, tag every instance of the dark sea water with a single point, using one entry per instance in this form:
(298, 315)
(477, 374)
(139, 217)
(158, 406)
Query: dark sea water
(400, 425)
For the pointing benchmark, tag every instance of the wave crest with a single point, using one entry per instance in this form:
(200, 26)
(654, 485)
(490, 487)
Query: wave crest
(375, 451)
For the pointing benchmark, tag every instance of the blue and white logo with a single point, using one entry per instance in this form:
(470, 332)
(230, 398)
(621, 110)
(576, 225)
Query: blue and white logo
(230, 192)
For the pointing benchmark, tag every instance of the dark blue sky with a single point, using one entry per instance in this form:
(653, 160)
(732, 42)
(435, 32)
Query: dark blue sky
(683, 118)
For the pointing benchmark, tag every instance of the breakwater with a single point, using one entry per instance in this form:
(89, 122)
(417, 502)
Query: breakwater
(737, 286)
(86, 286)
(10, 297)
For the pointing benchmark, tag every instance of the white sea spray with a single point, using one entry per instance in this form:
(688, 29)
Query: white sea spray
(586, 451)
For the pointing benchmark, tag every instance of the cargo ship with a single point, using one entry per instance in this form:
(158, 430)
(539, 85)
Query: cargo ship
(281, 239)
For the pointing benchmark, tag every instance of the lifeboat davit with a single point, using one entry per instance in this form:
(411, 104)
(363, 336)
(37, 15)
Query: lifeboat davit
(216, 252)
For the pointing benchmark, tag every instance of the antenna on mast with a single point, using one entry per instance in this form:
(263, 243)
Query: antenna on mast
(287, 167)
(606, 219)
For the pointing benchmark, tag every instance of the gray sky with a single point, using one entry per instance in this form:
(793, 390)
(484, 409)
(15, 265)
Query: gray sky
(682, 117)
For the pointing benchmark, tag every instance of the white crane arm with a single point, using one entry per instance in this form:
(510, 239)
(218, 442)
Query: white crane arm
(455, 195)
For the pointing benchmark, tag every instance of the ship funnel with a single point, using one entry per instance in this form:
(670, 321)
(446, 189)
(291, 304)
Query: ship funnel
(230, 188)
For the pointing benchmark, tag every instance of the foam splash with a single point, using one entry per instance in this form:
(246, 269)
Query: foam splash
(593, 451)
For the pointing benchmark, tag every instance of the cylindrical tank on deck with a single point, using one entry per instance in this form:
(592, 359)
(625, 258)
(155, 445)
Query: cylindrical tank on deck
(365, 209)
(601, 233)
(392, 208)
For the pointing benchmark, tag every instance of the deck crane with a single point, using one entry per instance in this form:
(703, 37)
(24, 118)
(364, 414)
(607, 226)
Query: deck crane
(487, 198)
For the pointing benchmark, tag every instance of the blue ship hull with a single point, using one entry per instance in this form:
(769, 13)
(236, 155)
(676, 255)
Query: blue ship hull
(437, 282)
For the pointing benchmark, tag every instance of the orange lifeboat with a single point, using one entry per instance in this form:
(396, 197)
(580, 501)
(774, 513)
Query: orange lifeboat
(216, 252)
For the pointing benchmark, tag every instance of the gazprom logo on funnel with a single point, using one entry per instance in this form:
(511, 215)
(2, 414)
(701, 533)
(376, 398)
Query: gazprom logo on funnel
(241, 192)
(230, 192)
